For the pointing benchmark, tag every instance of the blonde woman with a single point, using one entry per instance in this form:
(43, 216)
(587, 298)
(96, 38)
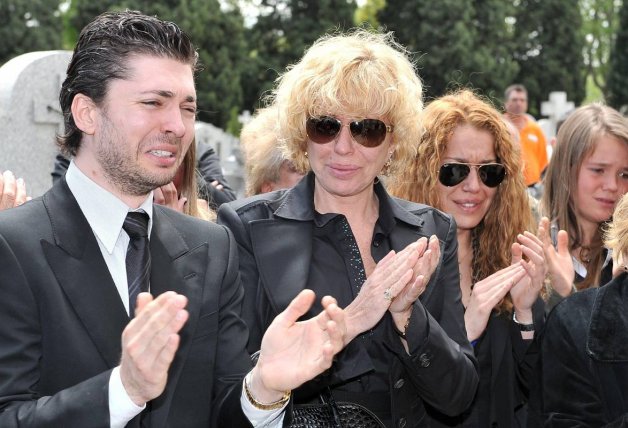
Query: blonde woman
(347, 114)
(266, 166)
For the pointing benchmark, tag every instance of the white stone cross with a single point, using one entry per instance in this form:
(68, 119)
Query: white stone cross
(555, 109)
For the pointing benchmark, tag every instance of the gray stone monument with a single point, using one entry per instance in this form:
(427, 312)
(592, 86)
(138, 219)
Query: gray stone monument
(30, 116)
(228, 149)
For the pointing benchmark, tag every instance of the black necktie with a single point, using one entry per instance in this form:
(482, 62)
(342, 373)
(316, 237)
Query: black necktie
(137, 256)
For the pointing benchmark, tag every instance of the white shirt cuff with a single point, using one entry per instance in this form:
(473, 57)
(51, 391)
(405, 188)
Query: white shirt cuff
(261, 418)
(121, 408)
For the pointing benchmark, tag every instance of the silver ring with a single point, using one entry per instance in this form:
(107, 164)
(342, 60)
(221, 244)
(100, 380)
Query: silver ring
(388, 295)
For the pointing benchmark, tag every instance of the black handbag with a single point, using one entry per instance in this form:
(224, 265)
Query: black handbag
(332, 414)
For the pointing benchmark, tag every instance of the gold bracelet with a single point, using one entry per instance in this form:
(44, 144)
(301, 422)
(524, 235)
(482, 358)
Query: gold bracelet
(261, 406)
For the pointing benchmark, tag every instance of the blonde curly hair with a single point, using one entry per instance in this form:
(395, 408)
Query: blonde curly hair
(509, 213)
(616, 235)
(358, 73)
(262, 155)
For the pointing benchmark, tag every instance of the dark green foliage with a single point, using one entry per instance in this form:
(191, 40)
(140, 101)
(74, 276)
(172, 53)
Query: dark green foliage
(550, 50)
(618, 74)
(284, 29)
(494, 66)
(440, 34)
(27, 26)
(457, 43)
(367, 13)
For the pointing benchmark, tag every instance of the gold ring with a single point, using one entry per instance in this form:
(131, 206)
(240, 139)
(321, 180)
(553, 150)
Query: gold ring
(388, 295)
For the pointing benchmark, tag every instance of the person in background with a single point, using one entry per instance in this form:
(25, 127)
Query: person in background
(348, 113)
(587, 175)
(267, 169)
(532, 139)
(12, 191)
(187, 192)
(582, 375)
(215, 182)
(467, 165)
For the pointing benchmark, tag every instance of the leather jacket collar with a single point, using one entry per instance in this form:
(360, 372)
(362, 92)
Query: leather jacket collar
(298, 203)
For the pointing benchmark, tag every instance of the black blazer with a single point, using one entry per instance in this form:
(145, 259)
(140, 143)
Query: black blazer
(511, 360)
(274, 235)
(61, 319)
(582, 375)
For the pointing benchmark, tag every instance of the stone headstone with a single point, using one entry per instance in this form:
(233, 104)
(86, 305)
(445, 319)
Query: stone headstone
(228, 149)
(30, 116)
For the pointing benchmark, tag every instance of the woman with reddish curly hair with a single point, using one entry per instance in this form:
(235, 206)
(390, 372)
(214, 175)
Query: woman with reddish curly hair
(468, 166)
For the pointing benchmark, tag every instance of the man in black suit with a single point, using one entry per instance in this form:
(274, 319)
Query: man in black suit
(129, 106)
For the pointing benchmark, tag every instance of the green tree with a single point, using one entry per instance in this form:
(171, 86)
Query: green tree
(465, 43)
(367, 13)
(441, 35)
(284, 29)
(599, 26)
(494, 66)
(549, 50)
(29, 25)
(218, 34)
(617, 94)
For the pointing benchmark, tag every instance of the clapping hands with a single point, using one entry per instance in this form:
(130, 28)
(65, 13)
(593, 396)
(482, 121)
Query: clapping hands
(294, 352)
(559, 261)
(395, 284)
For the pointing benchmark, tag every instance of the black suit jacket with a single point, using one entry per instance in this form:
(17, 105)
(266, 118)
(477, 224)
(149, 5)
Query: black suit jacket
(61, 319)
(274, 235)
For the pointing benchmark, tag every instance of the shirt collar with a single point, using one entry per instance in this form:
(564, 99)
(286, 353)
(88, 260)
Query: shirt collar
(104, 212)
(298, 204)
(581, 269)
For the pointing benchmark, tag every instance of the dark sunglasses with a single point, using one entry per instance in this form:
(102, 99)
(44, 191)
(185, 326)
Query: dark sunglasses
(452, 174)
(366, 132)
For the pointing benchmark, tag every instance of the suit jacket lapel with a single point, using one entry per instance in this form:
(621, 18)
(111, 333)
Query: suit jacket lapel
(176, 267)
(78, 265)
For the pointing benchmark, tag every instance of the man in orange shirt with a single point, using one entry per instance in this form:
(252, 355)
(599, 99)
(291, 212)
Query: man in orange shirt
(533, 144)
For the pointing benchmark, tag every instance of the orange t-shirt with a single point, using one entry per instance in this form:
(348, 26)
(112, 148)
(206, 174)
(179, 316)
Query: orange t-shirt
(533, 152)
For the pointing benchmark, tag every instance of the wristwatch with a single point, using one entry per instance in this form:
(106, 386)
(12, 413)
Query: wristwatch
(262, 406)
(522, 327)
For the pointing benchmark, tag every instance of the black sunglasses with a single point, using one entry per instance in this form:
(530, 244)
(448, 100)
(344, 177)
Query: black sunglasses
(452, 174)
(366, 132)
